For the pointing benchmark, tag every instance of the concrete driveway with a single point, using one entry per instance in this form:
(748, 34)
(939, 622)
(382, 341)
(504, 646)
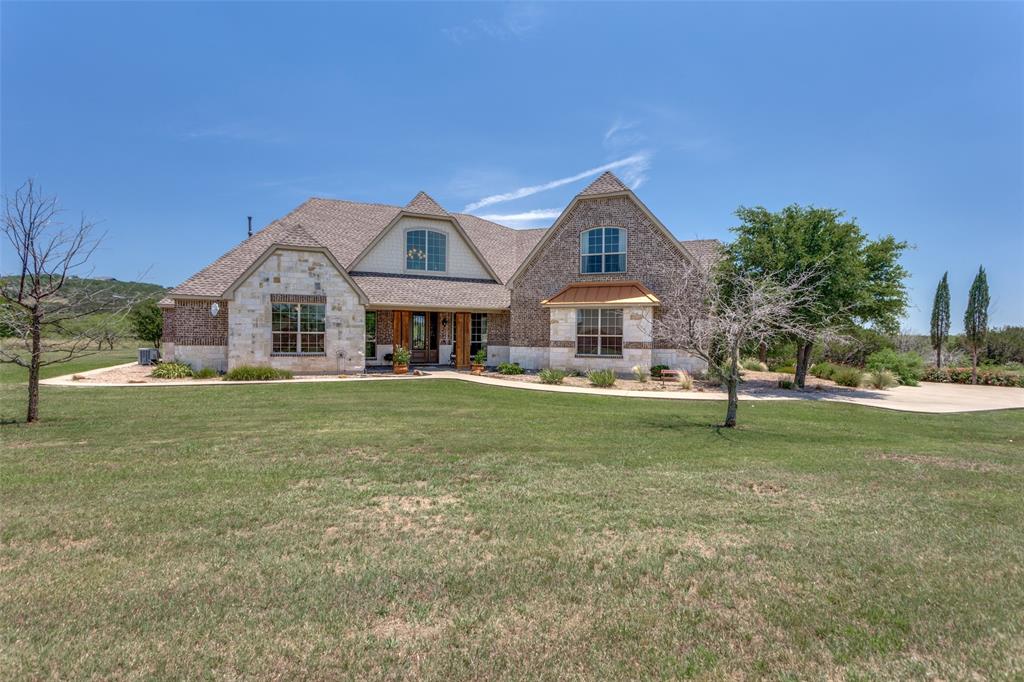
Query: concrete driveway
(933, 398)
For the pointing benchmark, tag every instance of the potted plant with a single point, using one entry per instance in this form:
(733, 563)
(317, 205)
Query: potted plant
(400, 360)
(479, 360)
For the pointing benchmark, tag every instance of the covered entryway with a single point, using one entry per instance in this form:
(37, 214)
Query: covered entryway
(435, 337)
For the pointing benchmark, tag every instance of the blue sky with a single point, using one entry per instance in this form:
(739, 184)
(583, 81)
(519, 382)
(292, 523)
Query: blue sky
(171, 122)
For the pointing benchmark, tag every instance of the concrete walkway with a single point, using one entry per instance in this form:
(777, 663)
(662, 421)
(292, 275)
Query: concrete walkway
(928, 398)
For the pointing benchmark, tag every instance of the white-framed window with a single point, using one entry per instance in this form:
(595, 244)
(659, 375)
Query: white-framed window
(426, 250)
(477, 332)
(599, 331)
(297, 328)
(603, 249)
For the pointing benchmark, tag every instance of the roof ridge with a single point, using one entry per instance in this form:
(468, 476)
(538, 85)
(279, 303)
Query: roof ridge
(424, 203)
(605, 183)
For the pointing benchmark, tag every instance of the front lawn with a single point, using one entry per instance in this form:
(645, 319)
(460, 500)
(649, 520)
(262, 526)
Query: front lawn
(450, 530)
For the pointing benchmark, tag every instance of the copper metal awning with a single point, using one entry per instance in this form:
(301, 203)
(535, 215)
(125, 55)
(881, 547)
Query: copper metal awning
(583, 294)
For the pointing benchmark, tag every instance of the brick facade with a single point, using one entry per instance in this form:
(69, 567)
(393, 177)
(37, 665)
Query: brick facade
(384, 327)
(650, 258)
(193, 325)
(168, 334)
(498, 329)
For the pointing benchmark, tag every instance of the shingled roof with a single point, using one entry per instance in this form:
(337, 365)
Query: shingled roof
(424, 203)
(386, 289)
(346, 228)
(702, 249)
(607, 182)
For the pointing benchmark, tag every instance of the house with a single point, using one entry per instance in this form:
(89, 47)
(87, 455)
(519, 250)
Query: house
(334, 286)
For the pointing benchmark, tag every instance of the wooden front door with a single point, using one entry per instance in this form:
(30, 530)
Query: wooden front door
(462, 340)
(420, 337)
(400, 333)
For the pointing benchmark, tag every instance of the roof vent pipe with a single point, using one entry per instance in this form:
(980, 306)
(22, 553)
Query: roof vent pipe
(250, 225)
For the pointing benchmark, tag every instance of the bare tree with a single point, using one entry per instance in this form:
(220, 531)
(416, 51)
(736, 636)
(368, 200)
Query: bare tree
(49, 322)
(717, 312)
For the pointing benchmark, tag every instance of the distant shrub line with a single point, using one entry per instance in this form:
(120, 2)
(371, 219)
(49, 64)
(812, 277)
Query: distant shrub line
(962, 375)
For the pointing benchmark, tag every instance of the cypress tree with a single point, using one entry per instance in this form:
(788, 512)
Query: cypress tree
(940, 318)
(976, 319)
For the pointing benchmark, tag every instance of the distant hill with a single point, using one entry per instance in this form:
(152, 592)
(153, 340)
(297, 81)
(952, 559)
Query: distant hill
(110, 294)
(113, 291)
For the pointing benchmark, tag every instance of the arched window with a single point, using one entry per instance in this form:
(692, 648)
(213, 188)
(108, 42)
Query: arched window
(603, 249)
(426, 250)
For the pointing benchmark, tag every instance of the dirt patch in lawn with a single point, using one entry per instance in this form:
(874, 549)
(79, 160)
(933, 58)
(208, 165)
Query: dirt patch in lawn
(944, 462)
(760, 488)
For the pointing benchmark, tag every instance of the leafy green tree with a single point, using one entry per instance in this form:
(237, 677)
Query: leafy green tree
(147, 322)
(1005, 345)
(856, 281)
(940, 318)
(976, 319)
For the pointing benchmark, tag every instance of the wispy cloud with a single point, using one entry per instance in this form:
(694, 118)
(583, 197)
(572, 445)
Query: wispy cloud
(633, 169)
(622, 133)
(516, 21)
(520, 219)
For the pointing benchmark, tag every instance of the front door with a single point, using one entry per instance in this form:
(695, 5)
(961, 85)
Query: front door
(423, 338)
(462, 340)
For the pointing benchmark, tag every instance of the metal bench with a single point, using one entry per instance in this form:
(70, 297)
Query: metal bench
(673, 374)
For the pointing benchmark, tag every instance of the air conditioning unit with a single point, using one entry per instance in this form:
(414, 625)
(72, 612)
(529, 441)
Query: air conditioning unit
(148, 356)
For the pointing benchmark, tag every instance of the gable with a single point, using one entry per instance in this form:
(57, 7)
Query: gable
(387, 254)
(648, 243)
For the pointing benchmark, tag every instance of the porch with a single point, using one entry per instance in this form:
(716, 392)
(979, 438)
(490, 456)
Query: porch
(439, 338)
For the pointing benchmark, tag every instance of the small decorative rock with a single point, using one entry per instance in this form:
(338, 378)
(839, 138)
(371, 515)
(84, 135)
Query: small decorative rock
(417, 373)
(77, 377)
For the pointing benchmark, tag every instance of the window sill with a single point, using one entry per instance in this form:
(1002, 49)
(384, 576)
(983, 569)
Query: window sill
(298, 355)
(600, 357)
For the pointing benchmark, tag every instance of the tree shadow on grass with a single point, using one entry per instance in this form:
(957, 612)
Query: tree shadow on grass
(681, 424)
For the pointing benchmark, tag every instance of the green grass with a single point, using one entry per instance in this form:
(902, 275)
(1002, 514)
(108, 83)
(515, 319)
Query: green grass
(11, 373)
(450, 530)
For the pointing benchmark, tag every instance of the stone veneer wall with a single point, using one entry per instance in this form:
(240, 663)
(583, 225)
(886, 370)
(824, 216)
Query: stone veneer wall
(636, 342)
(294, 273)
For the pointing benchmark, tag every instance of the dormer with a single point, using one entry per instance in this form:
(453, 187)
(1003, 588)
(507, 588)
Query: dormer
(424, 240)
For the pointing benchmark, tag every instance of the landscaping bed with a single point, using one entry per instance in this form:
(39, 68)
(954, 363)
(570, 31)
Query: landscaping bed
(753, 382)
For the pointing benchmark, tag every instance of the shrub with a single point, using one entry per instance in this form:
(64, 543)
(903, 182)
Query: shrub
(656, 370)
(823, 370)
(602, 378)
(880, 378)
(640, 374)
(172, 370)
(205, 373)
(685, 380)
(480, 357)
(753, 365)
(788, 384)
(962, 375)
(908, 367)
(509, 368)
(785, 369)
(551, 376)
(847, 376)
(256, 373)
